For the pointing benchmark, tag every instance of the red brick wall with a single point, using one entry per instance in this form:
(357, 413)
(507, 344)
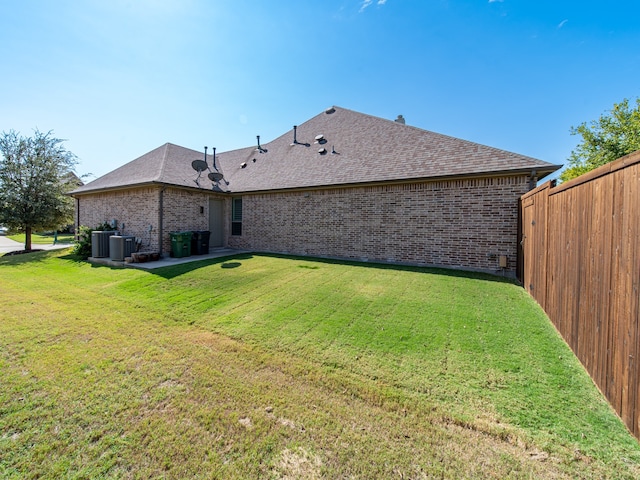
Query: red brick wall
(182, 213)
(465, 223)
(136, 208)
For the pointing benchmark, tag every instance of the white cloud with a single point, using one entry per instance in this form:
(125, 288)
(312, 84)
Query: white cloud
(562, 23)
(366, 3)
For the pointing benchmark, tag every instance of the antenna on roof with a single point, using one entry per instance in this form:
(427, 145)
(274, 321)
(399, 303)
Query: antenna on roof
(216, 175)
(260, 149)
(200, 165)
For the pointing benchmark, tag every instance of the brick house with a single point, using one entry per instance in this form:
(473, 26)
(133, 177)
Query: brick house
(341, 185)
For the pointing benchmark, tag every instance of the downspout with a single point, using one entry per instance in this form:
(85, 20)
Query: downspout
(533, 180)
(161, 219)
(77, 217)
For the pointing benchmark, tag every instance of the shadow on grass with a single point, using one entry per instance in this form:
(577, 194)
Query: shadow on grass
(450, 272)
(231, 265)
(235, 261)
(72, 257)
(170, 271)
(232, 261)
(33, 256)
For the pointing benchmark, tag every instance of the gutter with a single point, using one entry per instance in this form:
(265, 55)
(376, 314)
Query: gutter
(77, 217)
(541, 172)
(76, 193)
(161, 219)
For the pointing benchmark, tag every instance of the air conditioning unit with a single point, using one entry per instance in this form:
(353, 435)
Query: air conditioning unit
(100, 243)
(121, 247)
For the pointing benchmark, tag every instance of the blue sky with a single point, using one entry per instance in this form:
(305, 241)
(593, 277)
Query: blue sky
(117, 78)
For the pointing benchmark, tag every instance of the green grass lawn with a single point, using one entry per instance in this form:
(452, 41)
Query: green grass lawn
(272, 367)
(43, 239)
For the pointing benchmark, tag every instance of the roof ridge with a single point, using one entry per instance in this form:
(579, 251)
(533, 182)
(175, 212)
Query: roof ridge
(444, 135)
(163, 163)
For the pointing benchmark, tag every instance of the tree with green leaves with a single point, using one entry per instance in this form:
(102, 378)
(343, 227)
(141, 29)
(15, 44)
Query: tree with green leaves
(36, 173)
(614, 135)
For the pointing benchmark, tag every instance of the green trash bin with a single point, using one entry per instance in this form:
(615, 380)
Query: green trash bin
(180, 244)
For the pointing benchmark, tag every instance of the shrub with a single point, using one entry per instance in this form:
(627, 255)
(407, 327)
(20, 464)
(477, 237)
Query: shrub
(82, 247)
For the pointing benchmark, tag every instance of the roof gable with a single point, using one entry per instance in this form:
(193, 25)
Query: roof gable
(169, 164)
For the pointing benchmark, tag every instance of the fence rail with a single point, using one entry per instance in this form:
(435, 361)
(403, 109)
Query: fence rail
(581, 262)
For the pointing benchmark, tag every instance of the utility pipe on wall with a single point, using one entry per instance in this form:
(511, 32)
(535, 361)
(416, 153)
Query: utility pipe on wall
(77, 232)
(160, 219)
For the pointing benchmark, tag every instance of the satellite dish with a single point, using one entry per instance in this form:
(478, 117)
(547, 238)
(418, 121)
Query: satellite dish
(215, 176)
(199, 165)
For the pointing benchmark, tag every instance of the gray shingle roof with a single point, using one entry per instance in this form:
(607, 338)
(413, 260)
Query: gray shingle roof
(367, 149)
(168, 164)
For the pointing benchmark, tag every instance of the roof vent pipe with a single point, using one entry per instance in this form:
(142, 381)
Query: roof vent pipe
(214, 159)
(295, 138)
(400, 120)
(205, 154)
(260, 149)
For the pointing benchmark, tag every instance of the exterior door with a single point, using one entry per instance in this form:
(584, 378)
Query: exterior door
(216, 223)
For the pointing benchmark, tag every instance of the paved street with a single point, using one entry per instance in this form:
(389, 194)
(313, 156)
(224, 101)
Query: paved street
(7, 245)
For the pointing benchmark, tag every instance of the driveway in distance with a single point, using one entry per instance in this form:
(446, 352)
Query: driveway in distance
(7, 245)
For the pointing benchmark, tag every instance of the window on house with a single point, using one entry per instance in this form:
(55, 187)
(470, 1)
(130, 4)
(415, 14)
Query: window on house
(236, 216)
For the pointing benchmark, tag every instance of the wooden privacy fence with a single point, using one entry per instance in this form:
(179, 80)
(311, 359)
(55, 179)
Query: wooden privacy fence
(581, 262)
